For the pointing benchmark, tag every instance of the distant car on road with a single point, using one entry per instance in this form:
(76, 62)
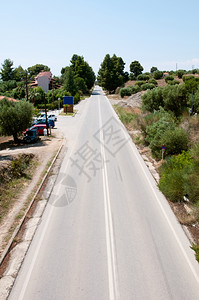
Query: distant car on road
(31, 136)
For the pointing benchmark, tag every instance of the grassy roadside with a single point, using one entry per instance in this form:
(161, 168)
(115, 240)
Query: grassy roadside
(68, 114)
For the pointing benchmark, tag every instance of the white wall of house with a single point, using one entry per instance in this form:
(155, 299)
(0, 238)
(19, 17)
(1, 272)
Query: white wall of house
(43, 82)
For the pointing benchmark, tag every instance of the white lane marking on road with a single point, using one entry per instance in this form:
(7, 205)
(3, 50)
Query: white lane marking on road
(113, 288)
(158, 200)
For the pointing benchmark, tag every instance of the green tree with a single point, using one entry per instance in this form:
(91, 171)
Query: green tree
(19, 73)
(15, 117)
(191, 84)
(36, 95)
(153, 99)
(18, 93)
(81, 85)
(70, 82)
(136, 68)
(175, 98)
(104, 74)
(111, 73)
(81, 69)
(7, 71)
(79, 76)
(180, 73)
(153, 69)
(36, 69)
(7, 86)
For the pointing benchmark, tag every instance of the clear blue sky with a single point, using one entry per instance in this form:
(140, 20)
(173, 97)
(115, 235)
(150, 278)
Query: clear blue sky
(156, 33)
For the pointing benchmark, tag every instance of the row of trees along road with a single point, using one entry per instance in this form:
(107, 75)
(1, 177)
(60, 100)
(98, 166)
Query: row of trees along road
(75, 80)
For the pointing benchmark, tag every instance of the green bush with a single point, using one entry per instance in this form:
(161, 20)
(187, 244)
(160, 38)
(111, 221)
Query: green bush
(54, 105)
(135, 89)
(19, 165)
(7, 85)
(171, 97)
(140, 82)
(175, 98)
(175, 140)
(125, 92)
(173, 82)
(187, 77)
(125, 116)
(191, 185)
(171, 184)
(143, 77)
(195, 71)
(152, 80)
(196, 249)
(157, 74)
(159, 128)
(169, 78)
(153, 99)
(147, 86)
(173, 180)
(180, 73)
(41, 106)
(129, 90)
(192, 176)
(132, 76)
(156, 131)
(76, 98)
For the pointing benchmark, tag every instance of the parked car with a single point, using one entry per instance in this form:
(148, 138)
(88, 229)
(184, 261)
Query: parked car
(39, 127)
(43, 121)
(31, 136)
(42, 116)
(53, 117)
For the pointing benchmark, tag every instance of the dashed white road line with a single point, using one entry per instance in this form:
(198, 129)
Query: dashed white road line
(112, 274)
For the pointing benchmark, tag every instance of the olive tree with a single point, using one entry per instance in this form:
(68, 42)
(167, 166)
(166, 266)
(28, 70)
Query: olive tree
(15, 117)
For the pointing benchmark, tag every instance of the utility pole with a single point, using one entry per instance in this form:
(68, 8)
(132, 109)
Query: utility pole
(26, 80)
(59, 104)
(46, 113)
(52, 91)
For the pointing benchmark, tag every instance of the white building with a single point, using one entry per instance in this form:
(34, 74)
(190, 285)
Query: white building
(43, 79)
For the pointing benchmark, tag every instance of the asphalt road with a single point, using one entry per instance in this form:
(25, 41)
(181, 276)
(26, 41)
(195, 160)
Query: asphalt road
(107, 232)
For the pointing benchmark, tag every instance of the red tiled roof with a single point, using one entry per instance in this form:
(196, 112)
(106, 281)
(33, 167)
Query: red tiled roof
(8, 98)
(47, 74)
